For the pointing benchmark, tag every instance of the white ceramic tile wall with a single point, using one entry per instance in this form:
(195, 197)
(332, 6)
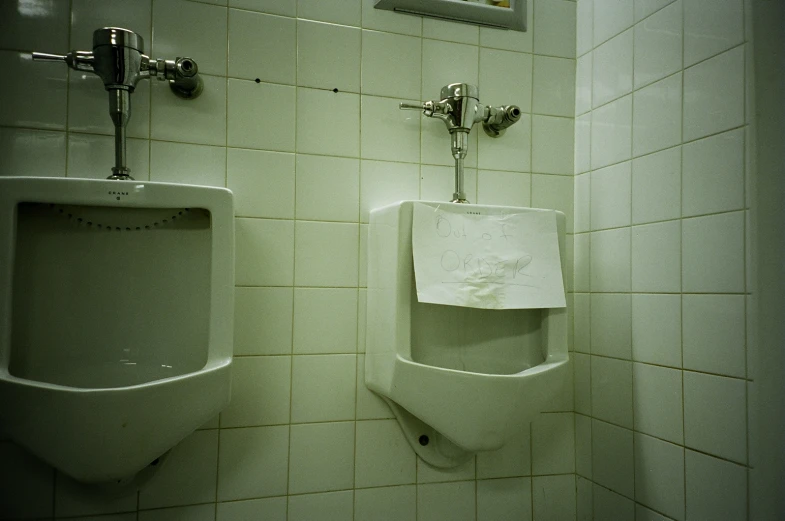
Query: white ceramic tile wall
(661, 223)
(303, 439)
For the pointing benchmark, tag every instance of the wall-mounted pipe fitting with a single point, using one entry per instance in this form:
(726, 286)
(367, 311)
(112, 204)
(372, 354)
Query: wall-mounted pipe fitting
(118, 59)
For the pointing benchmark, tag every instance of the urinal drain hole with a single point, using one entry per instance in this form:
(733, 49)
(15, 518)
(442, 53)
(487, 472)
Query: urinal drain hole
(90, 224)
(424, 440)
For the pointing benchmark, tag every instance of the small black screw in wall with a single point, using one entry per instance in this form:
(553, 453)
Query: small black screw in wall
(424, 440)
(335, 90)
(257, 80)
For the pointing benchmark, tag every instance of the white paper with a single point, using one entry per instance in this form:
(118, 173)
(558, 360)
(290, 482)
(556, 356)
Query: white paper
(486, 261)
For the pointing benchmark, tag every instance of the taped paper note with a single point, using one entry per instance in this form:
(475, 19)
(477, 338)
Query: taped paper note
(486, 261)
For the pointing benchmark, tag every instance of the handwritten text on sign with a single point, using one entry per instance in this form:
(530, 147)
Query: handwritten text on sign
(486, 261)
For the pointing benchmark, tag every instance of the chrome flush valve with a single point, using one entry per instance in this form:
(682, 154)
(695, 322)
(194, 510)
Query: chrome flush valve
(460, 109)
(118, 59)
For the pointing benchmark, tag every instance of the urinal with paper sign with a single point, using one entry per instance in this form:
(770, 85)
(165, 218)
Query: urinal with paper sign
(467, 326)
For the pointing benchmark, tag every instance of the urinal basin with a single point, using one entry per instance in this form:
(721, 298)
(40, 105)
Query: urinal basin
(474, 376)
(116, 307)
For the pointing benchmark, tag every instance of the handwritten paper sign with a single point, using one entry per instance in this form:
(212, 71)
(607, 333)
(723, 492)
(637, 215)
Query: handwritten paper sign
(486, 261)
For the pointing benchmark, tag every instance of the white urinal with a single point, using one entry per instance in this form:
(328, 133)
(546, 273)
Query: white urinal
(459, 380)
(116, 306)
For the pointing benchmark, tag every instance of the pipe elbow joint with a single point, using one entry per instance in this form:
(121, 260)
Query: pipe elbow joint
(499, 118)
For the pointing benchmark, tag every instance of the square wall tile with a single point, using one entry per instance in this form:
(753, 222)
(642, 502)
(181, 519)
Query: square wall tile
(656, 186)
(281, 7)
(582, 261)
(513, 459)
(87, 106)
(428, 474)
(446, 501)
(610, 505)
(326, 254)
(611, 390)
(611, 325)
(261, 115)
(190, 513)
(656, 257)
(583, 143)
(511, 153)
(382, 183)
(582, 322)
(552, 142)
(611, 133)
(644, 8)
(656, 120)
(391, 65)
(32, 152)
(44, 27)
(610, 196)
(715, 409)
(582, 383)
(582, 203)
(386, 503)
(277, 35)
(713, 253)
(657, 401)
(325, 320)
(450, 31)
(323, 388)
(262, 321)
(506, 78)
(553, 444)
(555, 34)
(36, 98)
(716, 489)
(202, 120)
(262, 183)
(554, 86)
(264, 252)
(437, 183)
(708, 32)
(656, 329)
(328, 123)
(328, 188)
(27, 484)
(504, 499)
(613, 458)
(584, 26)
(91, 155)
(713, 177)
(659, 475)
(612, 69)
(583, 83)
(269, 509)
(321, 457)
(583, 445)
(714, 95)
(509, 40)
(714, 334)
(389, 21)
(253, 462)
(370, 405)
(585, 503)
(345, 12)
(610, 260)
(435, 144)
(328, 56)
(446, 62)
(500, 188)
(260, 392)
(188, 476)
(191, 29)
(610, 18)
(387, 133)
(554, 192)
(658, 45)
(644, 514)
(189, 164)
(384, 457)
(553, 497)
(330, 506)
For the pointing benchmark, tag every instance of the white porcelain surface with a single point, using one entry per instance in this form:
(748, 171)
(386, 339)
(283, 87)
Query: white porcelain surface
(658, 45)
(263, 321)
(656, 257)
(550, 138)
(253, 462)
(612, 69)
(611, 392)
(329, 506)
(554, 81)
(505, 78)
(261, 386)
(714, 339)
(248, 33)
(610, 260)
(714, 412)
(656, 119)
(391, 65)
(714, 95)
(657, 186)
(202, 120)
(715, 488)
(710, 27)
(321, 457)
(610, 196)
(713, 253)
(326, 254)
(429, 474)
(328, 56)
(337, 176)
(611, 133)
(713, 177)
(613, 458)
(610, 325)
(345, 12)
(263, 183)
(337, 131)
(264, 252)
(389, 134)
(656, 329)
(270, 125)
(657, 402)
